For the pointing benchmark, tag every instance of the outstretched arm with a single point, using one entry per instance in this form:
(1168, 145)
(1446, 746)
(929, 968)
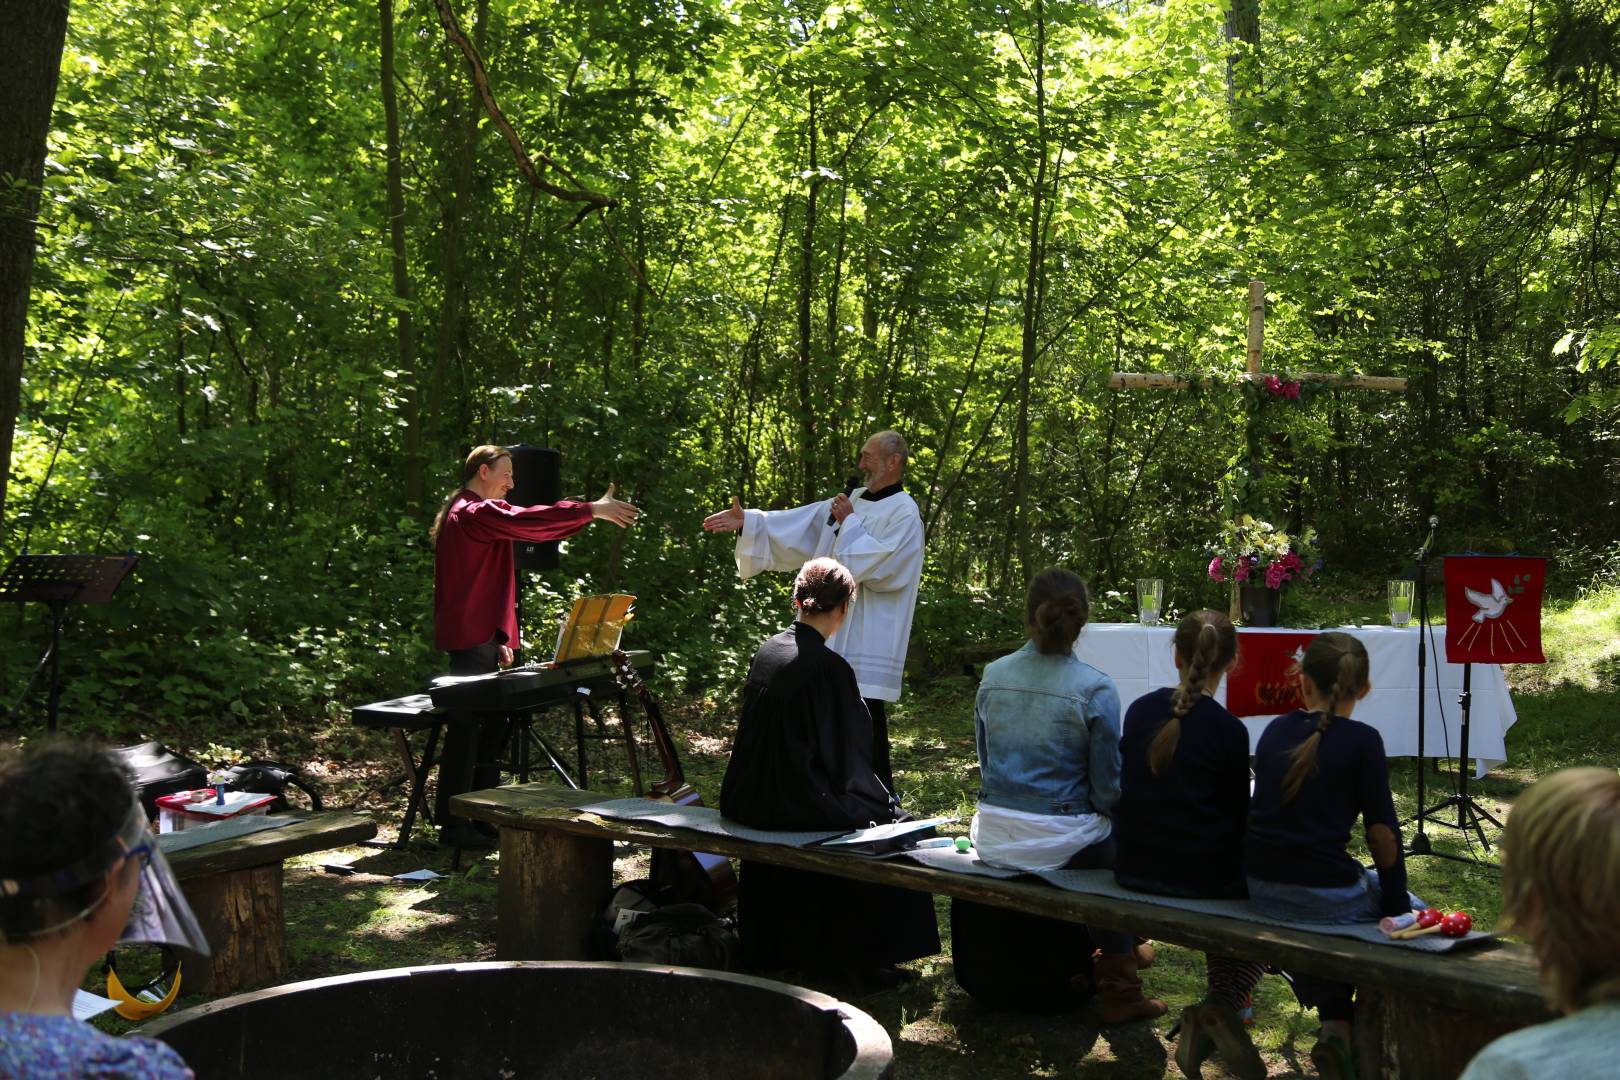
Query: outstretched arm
(774, 539)
(727, 520)
(619, 512)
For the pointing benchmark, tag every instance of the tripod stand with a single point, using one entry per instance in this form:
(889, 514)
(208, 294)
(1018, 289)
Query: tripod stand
(1469, 812)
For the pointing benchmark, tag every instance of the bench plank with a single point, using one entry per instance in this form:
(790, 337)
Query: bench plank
(315, 832)
(1494, 980)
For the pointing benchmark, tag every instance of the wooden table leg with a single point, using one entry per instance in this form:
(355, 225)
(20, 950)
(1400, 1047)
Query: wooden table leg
(552, 889)
(240, 914)
(1401, 1035)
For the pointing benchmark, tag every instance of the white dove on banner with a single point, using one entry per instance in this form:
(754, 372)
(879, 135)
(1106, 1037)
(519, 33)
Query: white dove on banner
(1489, 606)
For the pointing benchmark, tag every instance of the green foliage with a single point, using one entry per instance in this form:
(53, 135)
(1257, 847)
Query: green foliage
(823, 228)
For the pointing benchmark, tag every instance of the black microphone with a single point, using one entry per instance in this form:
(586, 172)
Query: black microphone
(1423, 552)
(853, 482)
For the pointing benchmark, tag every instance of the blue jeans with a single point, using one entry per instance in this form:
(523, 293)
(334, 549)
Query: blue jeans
(1336, 904)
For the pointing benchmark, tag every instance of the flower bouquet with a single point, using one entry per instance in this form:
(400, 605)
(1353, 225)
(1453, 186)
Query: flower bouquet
(1256, 553)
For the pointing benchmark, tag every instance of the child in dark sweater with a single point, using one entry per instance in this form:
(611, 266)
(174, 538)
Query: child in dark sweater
(1316, 771)
(1183, 808)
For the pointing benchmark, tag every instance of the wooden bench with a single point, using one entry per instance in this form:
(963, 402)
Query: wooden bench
(1419, 1015)
(234, 887)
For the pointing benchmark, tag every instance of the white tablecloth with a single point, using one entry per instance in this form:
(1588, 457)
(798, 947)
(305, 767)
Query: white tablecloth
(1139, 659)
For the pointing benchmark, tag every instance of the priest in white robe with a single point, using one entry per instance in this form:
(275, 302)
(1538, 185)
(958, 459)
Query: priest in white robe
(876, 531)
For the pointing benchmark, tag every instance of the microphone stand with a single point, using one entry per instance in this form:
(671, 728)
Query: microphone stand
(1420, 841)
(1468, 811)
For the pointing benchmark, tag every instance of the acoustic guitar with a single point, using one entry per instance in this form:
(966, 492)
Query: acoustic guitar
(691, 876)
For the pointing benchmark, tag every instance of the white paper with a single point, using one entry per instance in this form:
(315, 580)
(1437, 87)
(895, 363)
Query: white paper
(235, 802)
(86, 1004)
(417, 875)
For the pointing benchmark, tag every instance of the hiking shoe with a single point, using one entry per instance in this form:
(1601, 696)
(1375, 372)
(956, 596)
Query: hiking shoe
(1224, 1027)
(1333, 1059)
(1193, 1045)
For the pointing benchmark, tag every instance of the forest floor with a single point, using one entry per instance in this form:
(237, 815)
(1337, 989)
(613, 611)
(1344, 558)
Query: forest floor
(1567, 713)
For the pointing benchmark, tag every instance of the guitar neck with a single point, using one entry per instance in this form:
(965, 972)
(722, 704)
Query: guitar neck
(674, 782)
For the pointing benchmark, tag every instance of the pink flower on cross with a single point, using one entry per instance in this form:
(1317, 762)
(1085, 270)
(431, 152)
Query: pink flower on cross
(1216, 572)
(1288, 391)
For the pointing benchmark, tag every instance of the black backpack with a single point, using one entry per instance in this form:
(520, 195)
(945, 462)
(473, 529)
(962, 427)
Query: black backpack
(644, 925)
(155, 772)
(271, 778)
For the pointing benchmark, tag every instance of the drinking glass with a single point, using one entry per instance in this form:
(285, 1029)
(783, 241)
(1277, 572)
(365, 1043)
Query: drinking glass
(1400, 602)
(1149, 600)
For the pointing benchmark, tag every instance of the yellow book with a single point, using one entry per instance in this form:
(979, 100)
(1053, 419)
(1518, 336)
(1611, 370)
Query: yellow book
(594, 626)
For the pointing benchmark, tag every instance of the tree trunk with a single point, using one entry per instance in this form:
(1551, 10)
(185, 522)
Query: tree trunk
(807, 285)
(1242, 72)
(31, 56)
(461, 132)
(1031, 328)
(870, 282)
(638, 197)
(405, 335)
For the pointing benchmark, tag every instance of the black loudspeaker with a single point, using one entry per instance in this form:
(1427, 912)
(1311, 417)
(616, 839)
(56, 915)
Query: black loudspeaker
(536, 481)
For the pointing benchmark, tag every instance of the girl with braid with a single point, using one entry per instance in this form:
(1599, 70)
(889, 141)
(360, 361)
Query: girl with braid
(1183, 809)
(1316, 771)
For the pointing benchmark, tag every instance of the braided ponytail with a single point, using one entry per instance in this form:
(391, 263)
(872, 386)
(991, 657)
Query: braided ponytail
(1337, 665)
(1206, 643)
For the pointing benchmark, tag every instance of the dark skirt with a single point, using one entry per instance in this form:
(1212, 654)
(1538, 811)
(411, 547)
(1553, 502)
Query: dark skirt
(822, 924)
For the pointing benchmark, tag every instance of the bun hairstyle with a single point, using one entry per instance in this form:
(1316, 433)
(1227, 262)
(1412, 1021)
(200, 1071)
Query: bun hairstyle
(1337, 664)
(1561, 882)
(823, 585)
(480, 456)
(1055, 609)
(1206, 641)
(42, 833)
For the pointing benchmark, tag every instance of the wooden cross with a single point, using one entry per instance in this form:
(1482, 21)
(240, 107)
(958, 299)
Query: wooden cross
(1123, 380)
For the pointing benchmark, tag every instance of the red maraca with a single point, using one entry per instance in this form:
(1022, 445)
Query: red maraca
(1430, 917)
(1457, 924)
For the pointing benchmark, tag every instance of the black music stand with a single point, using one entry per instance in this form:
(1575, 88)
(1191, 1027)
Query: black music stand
(57, 581)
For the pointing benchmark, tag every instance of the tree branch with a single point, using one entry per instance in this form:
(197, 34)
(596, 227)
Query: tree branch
(526, 164)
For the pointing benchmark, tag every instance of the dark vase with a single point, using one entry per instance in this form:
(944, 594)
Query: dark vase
(1262, 605)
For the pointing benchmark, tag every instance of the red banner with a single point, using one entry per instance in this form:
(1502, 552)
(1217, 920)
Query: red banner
(1493, 609)
(1265, 681)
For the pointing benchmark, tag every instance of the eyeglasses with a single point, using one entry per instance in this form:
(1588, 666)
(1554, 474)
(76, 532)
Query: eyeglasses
(142, 851)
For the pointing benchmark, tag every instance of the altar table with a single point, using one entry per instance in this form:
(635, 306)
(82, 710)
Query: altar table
(1139, 659)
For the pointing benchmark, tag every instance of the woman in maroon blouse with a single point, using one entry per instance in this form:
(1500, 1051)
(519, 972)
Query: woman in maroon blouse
(475, 604)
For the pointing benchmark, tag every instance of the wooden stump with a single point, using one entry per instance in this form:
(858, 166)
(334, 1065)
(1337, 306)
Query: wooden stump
(552, 888)
(240, 915)
(1404, 1037)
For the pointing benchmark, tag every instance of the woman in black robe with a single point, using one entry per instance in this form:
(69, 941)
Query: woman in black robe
(803, 760)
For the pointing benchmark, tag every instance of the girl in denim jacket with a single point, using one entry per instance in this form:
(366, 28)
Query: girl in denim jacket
(1048, 738)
